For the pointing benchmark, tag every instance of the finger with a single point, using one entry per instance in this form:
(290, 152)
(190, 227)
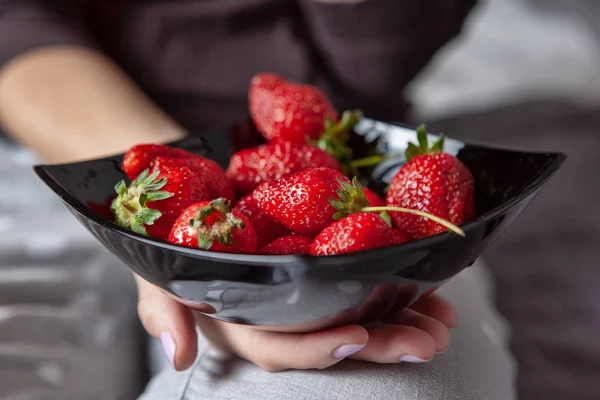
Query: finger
(437, 330)
(438, 308)
(390, 343)
(170, 322)
(274, 351)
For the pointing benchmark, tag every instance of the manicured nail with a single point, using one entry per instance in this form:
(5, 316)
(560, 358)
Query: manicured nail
(441, 352)
(412, 359)
(168, 346)
(348, 350)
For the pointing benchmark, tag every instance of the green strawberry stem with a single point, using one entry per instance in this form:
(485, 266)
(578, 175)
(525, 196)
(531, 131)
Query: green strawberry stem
(370, 161)
(423, 148)
(336, 135)
(439, 220)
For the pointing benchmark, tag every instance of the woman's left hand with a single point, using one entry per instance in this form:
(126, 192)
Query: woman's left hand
(413, 334)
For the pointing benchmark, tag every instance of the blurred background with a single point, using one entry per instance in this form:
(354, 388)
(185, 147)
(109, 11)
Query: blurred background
(524, 73)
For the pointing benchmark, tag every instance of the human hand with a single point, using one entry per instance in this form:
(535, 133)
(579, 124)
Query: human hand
(415, 334)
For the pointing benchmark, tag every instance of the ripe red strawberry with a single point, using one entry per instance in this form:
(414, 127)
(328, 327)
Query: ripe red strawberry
(354, 233)
(373, 198)
(141, 156)
(267, 229)
(154, 200)
(433, 182)
(286, 110)
(250, 167)
(292, 244)
(211, 225)
(301, 201)
(138, 157)
(212, 175)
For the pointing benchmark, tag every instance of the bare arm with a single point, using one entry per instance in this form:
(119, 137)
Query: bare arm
(69, 103)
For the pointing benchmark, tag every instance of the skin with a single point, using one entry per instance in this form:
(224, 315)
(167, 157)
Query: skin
(68, 103)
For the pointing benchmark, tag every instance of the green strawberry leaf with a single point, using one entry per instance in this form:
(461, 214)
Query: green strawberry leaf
(386, 217)
(339, 215)
(204, 242)
(147, 216)
(141, 178)
(344, 195)
(138, 227)
(422, 138)
(412, 151)
(121, 188)
(337, 204)
(155, 196)
(438, 146)
(156, 185)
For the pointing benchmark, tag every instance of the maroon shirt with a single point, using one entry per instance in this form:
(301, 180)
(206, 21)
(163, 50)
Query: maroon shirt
(195, 58)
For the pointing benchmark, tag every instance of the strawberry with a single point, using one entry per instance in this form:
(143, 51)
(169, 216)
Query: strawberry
(140, 157)
(213, 176)
(266, 228)
(250, 167)
(292, 244)
(213, 226)
(308, 201)
(284, 110)
(300, 113)
(154, 200)
(373, 198)
(354, 233)
(300, 201)
(433, 182)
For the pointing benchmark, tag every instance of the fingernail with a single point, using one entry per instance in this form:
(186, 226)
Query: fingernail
(347, 350)
(441, 352)
(168, 346)
(412, 359)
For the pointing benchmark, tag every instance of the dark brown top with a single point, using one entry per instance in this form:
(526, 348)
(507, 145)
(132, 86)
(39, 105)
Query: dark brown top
(196, 57)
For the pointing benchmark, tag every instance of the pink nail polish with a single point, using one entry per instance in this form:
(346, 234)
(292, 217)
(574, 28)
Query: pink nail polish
(348, 350)
(168, 346)
(412, 359)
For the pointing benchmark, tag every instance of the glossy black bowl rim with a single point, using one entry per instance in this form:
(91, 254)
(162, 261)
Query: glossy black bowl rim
(256, 259)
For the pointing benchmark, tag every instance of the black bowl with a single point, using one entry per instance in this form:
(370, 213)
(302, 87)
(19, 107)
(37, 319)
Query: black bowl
(303, 293)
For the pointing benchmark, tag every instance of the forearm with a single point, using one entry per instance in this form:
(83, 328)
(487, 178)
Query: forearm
(69, 103)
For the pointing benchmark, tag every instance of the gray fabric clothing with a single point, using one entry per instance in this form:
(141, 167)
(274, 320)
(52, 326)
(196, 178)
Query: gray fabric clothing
(477, 366)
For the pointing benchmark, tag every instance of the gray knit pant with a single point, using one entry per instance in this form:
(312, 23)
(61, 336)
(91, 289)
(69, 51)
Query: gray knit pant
(477, 366)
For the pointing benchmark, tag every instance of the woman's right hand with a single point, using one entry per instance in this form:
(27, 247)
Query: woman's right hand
(408, 335)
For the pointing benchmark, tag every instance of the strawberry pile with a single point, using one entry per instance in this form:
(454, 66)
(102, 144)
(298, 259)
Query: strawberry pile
(290, 195)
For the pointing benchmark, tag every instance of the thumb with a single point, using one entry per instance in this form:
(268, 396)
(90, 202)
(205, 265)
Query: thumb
(170, 322)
